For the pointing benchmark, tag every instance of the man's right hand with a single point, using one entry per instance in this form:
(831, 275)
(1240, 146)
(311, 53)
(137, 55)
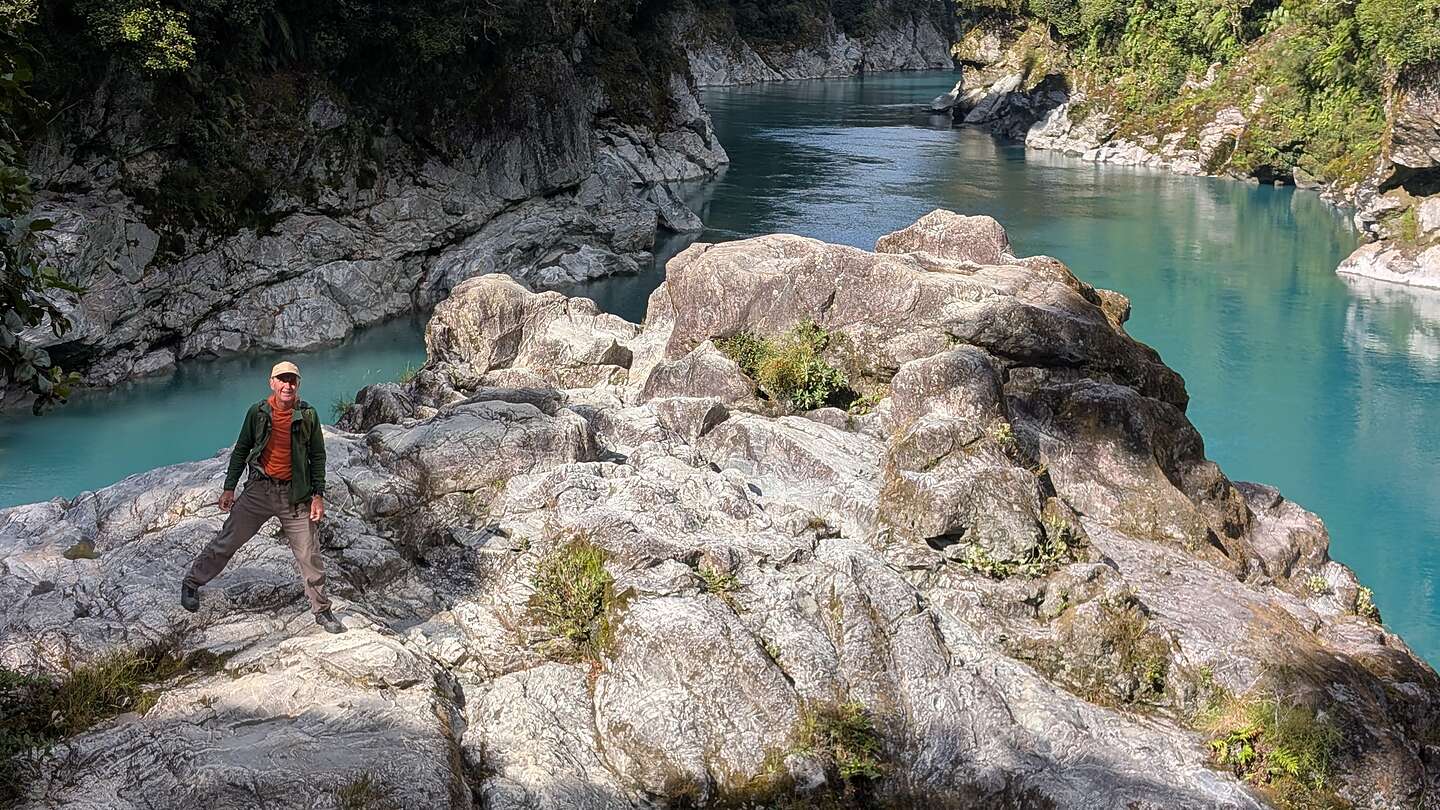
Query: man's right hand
(227, 500)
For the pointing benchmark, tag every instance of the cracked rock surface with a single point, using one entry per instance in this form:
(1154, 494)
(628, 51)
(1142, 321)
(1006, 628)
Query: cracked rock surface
(957, 561)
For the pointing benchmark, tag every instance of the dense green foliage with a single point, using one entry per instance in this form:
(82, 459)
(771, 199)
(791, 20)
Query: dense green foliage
(1316, 71)
(24, 277)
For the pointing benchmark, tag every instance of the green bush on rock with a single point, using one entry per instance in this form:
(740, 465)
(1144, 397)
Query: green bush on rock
(845, 738)
(572, 600)
(1284, 749)
(790, 369)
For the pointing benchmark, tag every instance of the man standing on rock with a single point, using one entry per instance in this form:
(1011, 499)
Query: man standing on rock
(283, 448)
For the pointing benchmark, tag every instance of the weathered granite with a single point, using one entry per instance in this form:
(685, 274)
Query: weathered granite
(1018, 413)
(566, 193)
(722, 57)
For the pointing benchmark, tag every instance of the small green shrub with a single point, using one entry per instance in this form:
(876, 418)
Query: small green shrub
(341, 406)
(867, 403)
(1285, 750)
(790, 369)
(1317, 585)
(1365, 604)
(747, 350)
(572, 599)
(1056, 547)
(1141, 655)
(717, 582)
(1002, 434)
(844, 736)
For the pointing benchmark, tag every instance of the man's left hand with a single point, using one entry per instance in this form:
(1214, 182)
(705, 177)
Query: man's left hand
(317, 509)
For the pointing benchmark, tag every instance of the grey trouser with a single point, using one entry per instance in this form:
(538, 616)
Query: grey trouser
(262, 499)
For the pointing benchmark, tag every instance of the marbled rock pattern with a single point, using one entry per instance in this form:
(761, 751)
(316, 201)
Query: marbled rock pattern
(1020, 564)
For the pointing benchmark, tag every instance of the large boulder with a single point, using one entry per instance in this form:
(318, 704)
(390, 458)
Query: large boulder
(491, 323)
(897, 307)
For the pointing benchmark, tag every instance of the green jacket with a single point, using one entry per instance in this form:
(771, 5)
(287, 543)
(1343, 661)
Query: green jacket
(307, 449)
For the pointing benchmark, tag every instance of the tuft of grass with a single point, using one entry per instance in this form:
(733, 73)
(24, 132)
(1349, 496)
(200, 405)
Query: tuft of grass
(1406, 225)
(83, 550)
(341, 406)
(572, 600)
(1002, 434)
(1142, 657)
(1365, 605)
(867, 403)
(36, 710)
(717, 582)
(1284, 749)
(790, 369)
(407, 374)
(747, 350)
(365, 792)
(845, 738)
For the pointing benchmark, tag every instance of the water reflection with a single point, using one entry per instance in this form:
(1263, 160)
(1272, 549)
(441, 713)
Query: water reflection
(1395, 318)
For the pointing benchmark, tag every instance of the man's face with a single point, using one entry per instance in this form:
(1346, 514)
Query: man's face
(286, 388)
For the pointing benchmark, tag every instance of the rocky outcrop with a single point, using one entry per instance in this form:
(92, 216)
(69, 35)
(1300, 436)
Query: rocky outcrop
(1017, 84)
(719, 55)
(1399, 205)
(1017, 576)
(389, 224)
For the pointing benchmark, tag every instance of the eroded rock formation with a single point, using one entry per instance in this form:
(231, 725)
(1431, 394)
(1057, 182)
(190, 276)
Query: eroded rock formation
(1018, 563)
(719, 55)
(568, 192)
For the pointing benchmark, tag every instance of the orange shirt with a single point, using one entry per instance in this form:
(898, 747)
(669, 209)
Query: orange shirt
(276, 458)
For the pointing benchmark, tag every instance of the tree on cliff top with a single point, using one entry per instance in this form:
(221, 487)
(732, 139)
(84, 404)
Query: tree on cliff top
(24, 279)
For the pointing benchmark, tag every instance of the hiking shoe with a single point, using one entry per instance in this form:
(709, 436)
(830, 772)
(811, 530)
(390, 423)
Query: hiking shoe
(189, 596)
(327, 620)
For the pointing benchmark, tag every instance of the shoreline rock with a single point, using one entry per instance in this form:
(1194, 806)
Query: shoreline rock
(571, 194)
(722, 57)
(1017, 571)
(1396, 209)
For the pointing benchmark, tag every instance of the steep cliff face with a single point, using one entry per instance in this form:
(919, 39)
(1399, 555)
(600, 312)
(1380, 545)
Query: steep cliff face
(587, 564)
(362, 222)
(1021, 83)
(719, 54)
(1399, 205)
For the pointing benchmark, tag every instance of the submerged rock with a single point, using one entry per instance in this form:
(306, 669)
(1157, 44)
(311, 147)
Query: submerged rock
(1008, 578)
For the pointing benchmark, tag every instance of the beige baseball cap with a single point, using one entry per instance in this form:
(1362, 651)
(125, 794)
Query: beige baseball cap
(285, 367)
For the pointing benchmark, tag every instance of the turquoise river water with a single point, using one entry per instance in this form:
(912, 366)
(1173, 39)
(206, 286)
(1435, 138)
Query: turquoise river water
(1322, 387)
